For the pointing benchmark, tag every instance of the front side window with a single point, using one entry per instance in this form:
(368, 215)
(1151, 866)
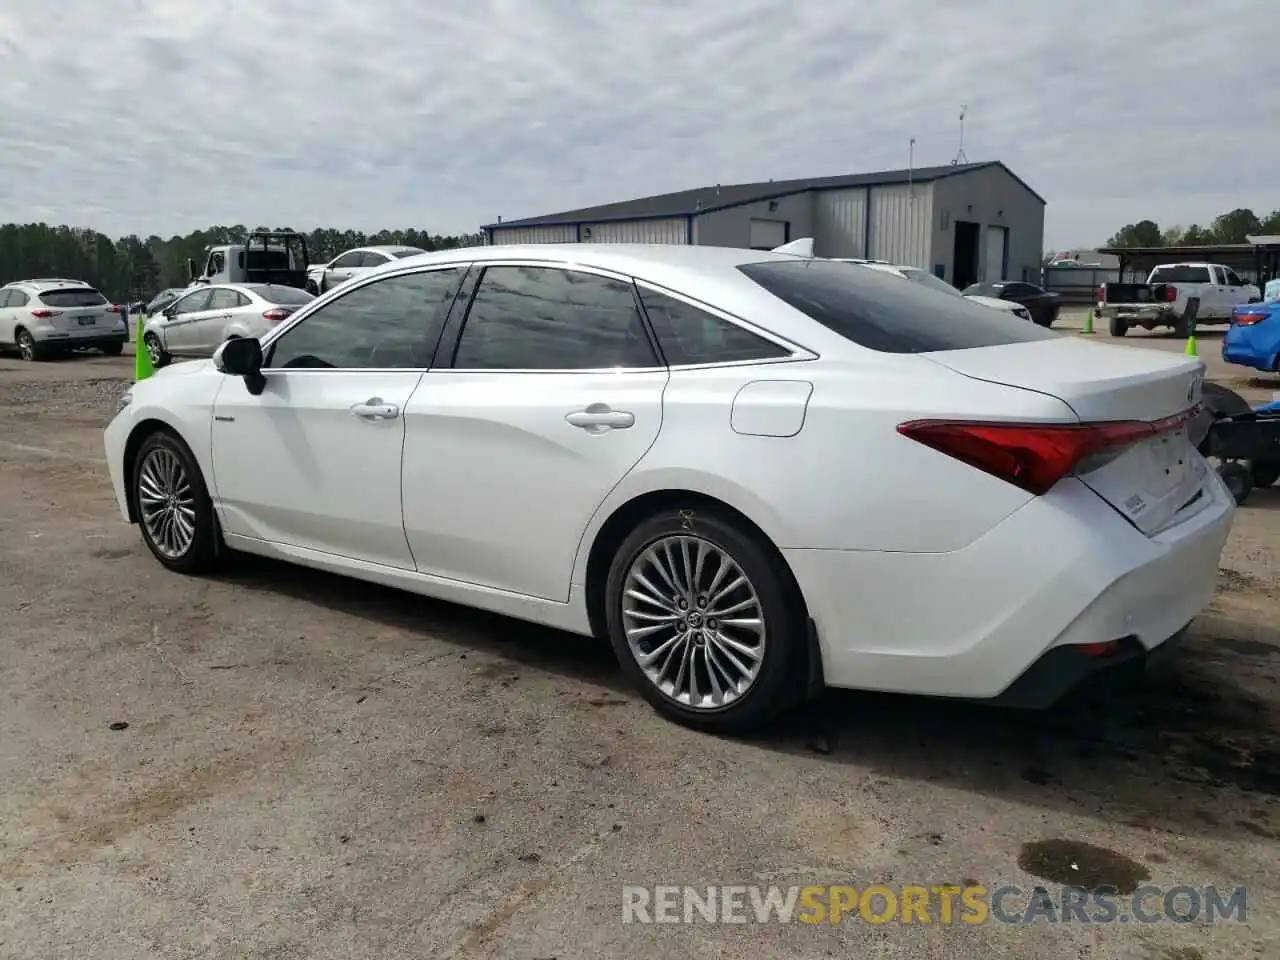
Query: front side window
(193, 302)
(1233, 279)
(393, 323)
(880, 312)
(549, 318)
(348, 260)
(688, 335)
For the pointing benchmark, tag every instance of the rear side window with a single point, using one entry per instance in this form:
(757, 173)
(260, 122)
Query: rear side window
(688, 335)
(1180, 274)
(75, 297)
(880, 312)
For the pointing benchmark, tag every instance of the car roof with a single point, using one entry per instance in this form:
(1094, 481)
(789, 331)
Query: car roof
(48, 283)
(385, 247)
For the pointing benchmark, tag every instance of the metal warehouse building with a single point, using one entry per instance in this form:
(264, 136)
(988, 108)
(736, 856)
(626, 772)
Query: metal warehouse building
(965, 222)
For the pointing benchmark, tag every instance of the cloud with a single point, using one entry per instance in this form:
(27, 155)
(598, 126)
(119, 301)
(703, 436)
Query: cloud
(159, 116)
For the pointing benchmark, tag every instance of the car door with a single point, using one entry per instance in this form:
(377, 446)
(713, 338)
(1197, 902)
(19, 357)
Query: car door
(547, 395)
(180, 316)
(341, 269)
(313, 461)
(1235, 291)
(203, 330)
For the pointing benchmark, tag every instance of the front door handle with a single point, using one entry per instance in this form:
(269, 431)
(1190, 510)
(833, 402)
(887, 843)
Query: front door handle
(375, 409)
(599, 417)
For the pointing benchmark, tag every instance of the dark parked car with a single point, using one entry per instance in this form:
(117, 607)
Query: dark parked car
(162, 300)
(1042, 304)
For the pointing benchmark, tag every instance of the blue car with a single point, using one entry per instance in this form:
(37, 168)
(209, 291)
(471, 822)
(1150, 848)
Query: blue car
(1253, 339)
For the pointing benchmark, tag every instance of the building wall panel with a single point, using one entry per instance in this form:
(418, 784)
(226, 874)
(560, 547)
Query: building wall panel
(548, 234)
(674, 230)
(902, 224)
(840, 223)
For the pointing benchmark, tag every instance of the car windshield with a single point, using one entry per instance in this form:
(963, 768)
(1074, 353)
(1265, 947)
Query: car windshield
(926, 279)
(880, 312)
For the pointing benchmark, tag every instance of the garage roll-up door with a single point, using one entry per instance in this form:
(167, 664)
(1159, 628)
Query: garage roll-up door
(767, 234)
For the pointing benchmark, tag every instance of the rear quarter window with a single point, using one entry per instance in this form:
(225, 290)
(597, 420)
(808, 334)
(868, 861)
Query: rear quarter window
(282, 295)
(69, 299)
(881, 312)
(1180, 275)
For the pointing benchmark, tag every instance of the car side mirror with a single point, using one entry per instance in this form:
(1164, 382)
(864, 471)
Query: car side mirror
(242, 357)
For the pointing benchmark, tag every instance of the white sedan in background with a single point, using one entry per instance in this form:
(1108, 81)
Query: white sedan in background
(203, 316)
(755, 474)
(350, 264)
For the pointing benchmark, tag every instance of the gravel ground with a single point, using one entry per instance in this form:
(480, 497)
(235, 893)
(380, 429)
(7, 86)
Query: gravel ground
(306, 767)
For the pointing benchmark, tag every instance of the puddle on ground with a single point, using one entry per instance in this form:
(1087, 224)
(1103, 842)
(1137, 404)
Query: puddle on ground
(1077, 864)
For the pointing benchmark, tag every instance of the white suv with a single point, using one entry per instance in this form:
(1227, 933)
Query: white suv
(40, 317)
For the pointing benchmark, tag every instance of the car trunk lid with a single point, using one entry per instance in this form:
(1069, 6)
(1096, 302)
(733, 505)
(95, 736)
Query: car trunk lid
(1156, 479)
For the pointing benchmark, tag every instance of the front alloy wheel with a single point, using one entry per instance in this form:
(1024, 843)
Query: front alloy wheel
(166, 503)
(173, 506)
(155, 352)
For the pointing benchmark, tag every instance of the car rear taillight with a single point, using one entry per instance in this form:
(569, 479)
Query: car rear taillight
(1102, 293)
(44, 313)
(112, 308)
(1170, 294)
(276, 314)
(1034, 456)
(1247, 318)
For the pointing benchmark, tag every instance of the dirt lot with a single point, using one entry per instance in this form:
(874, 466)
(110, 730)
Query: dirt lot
(314, 768)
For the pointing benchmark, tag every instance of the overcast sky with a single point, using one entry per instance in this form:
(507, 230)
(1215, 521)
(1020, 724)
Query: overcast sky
(161, 116)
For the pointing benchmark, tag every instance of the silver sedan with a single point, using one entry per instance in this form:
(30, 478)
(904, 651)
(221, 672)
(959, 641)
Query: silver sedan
(199, 320)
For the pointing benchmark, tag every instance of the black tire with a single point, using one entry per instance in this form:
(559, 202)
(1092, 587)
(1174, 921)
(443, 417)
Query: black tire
(1117, 327)
(112, 349)
(159, 356)
(1238, 478)
(204, 550)
(28, 348)
(780, 681)
(1265, 473)
(1222, 401)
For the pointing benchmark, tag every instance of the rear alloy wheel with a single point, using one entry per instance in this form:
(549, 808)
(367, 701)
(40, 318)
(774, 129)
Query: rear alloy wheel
(154, 351)
(703, 624)
(28, 349)
(173, 506)
(1238, 478)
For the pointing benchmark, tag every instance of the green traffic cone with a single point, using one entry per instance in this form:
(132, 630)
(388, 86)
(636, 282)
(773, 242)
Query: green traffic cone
(1191, 346)
(1088, 322)
(142, 366)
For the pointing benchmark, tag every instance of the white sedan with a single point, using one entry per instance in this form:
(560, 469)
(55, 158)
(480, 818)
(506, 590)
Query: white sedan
(755, 474)
(194, 323)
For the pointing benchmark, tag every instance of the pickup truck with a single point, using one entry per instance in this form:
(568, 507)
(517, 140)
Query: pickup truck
(1177, 295)
(275, 257)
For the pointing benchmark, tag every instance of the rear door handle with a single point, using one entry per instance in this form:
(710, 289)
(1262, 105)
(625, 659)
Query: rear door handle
(599, 417)
(375, 409)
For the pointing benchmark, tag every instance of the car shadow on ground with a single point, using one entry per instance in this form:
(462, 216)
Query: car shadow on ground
(1165, 751)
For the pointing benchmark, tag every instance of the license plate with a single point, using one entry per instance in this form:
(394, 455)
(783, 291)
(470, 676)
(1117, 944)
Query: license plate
(87, 321)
